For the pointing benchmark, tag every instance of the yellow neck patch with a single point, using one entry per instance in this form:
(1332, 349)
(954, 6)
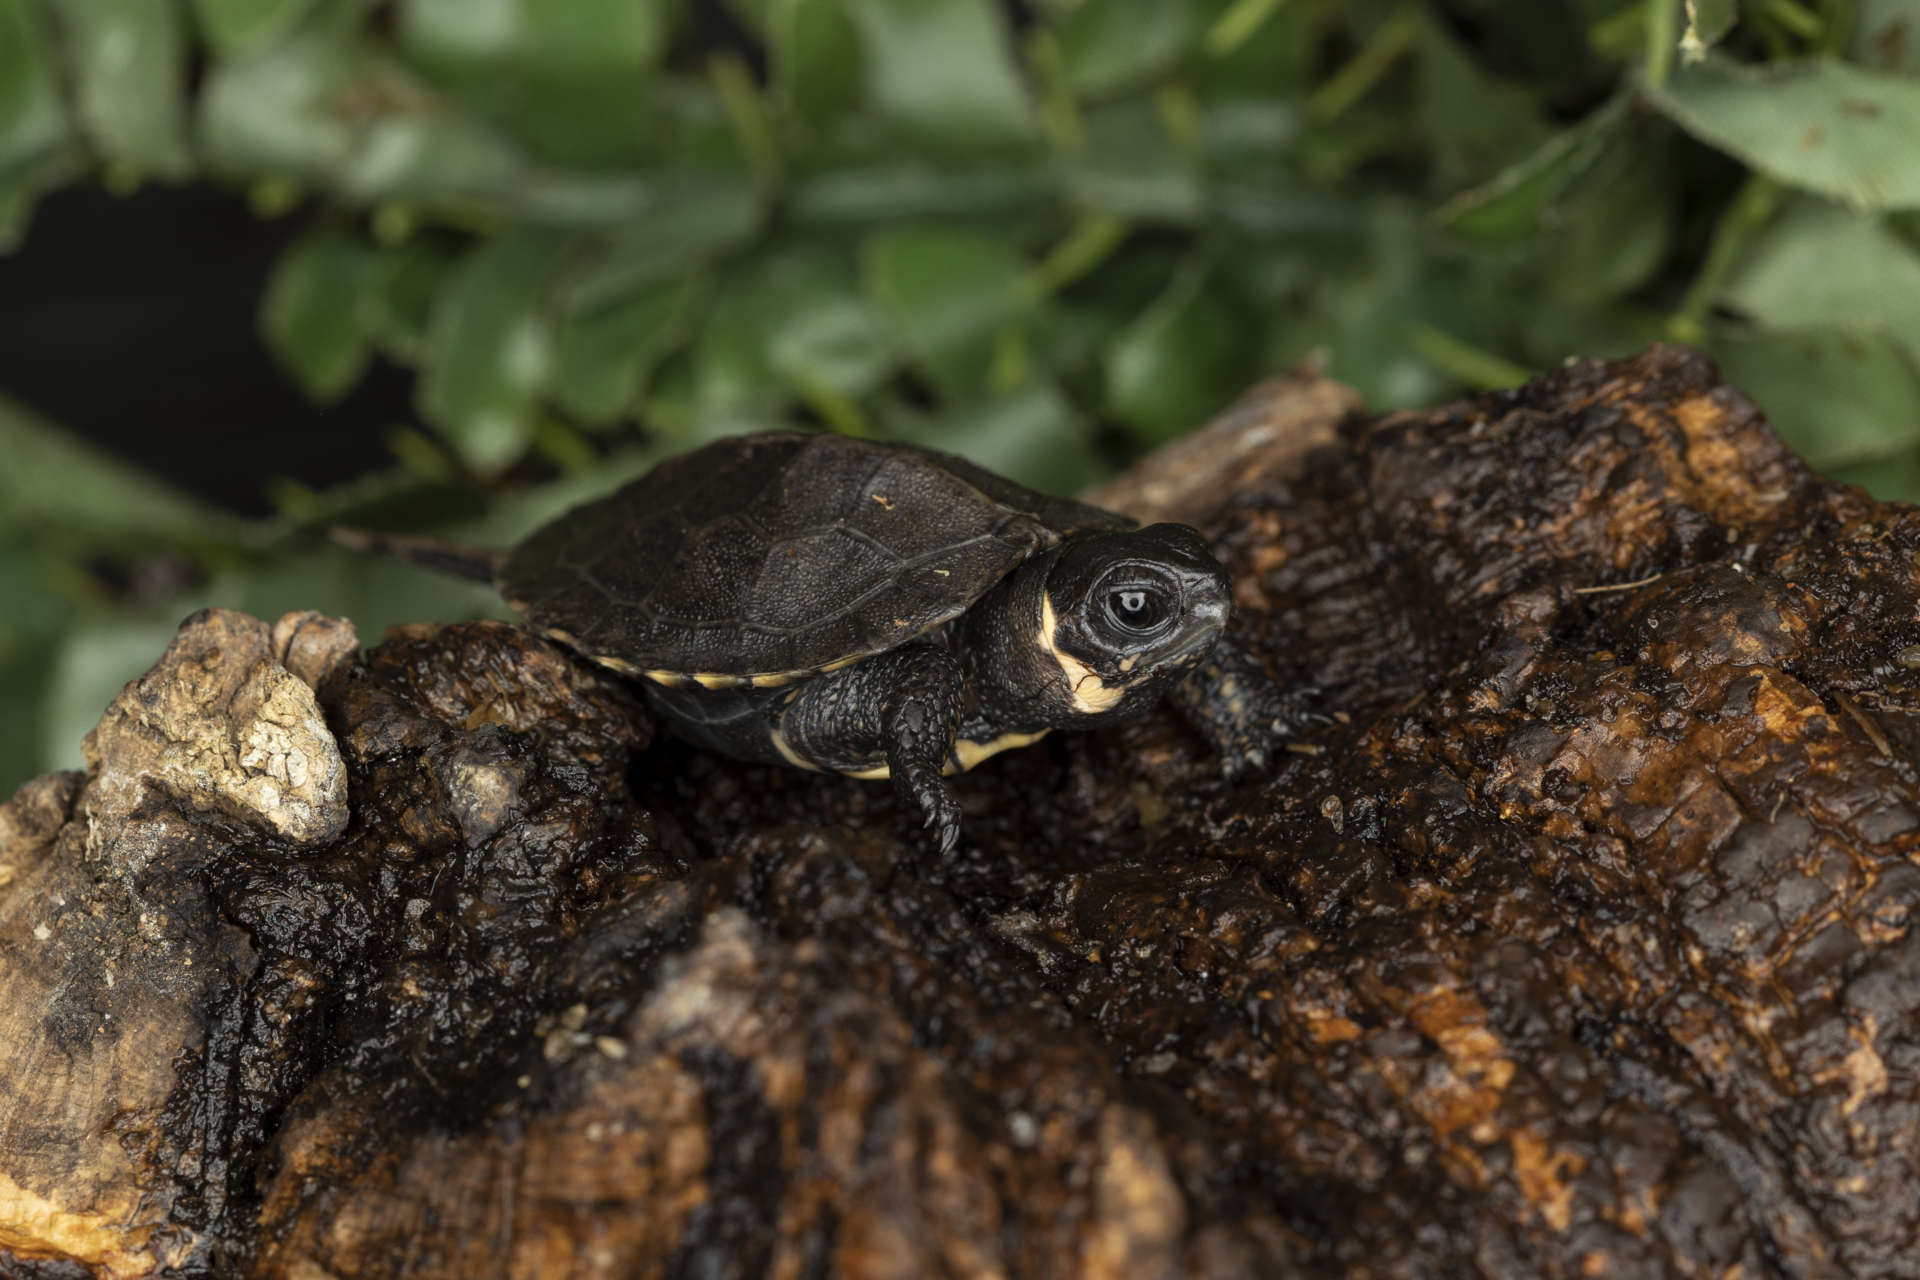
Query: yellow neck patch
(1090, 693)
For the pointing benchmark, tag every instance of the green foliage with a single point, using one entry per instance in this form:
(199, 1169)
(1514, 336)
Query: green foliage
(1047, 236)
(127, 62)
(1820, 125)
(36, 135)
(312, 313)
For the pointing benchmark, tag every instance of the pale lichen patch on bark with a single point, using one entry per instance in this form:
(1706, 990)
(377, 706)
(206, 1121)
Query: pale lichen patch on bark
(219, 725)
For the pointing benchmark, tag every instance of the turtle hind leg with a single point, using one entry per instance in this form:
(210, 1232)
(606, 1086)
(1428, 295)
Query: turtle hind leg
(902, 706)
(1241, 712)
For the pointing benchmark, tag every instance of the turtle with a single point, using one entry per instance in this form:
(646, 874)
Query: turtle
(881, 610)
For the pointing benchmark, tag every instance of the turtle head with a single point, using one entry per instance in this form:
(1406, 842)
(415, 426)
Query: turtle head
(1125, 613)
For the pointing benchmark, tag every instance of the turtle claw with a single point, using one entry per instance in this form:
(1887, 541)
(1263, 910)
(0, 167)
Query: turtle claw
(943, 816)
(1242, 713)
(923, 788)
(1248, 762)
(1295, 712)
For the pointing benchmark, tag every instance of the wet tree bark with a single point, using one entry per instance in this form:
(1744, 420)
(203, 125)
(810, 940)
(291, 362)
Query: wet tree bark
(1581, 944)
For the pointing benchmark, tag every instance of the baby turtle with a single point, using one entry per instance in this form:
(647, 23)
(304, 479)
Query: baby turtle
(880, 610)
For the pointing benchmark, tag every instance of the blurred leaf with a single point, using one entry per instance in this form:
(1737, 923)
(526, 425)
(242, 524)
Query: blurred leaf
(1891, 479)
(795, 326)
(1128, 166)
(30, 117)
(1612, 226)
(1514, 203)
(1252, 137)
(1372, 289)
(571, 78)
(1839, 399)
(682, 224)
(1476, 121)
(1329, 154)
(604, 355)
(373, 593)
(35, 611)
(128, 62)
(581, 35)
(515, 515)
(1112, 46)
(322, 108)
(833, 343)
(33, 126)
(942, 70)
(398, 308)
(1543, 337)
(490, 347)
(55, 488)
(1818, 124)
(1035, 436)
(815, 55)
(1821, 266)
(912, 189)
(30, 629)
(1182, 359)
(693, 132)
(1886, 35)
(24, 679)
(281, 113)
(949, 292)
(235, 26)
(1708, 22)
(313, 311)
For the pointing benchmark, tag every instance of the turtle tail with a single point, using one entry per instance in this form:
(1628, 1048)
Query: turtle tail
(481, 564)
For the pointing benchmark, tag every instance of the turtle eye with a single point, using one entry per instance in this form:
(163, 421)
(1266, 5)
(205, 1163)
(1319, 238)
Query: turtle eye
(1137, 608)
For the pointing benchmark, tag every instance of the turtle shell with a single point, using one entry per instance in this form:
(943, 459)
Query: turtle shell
(759, 559)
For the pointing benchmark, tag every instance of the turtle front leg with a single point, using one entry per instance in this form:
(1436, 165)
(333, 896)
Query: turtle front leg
(921, 717)
(1240, 711)
(902, 706)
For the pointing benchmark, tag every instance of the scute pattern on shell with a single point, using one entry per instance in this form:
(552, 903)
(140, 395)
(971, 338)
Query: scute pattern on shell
(781, 553)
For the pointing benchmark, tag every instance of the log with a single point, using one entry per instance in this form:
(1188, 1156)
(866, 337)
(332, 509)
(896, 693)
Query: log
(1579, 944)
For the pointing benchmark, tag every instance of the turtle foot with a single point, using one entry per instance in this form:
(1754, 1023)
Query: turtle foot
(928, 792)
(1242, 713)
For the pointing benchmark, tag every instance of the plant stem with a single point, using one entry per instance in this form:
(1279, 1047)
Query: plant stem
(1231, 29)
(1663, 37)
(1059, 114)
(1795, 18)
(751, 128)
(1091, 242)
(1751, 209)
(1352, 82)
(1836, 26)
(1462, 360)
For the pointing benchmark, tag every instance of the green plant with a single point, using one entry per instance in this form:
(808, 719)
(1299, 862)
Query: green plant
(605, 229)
